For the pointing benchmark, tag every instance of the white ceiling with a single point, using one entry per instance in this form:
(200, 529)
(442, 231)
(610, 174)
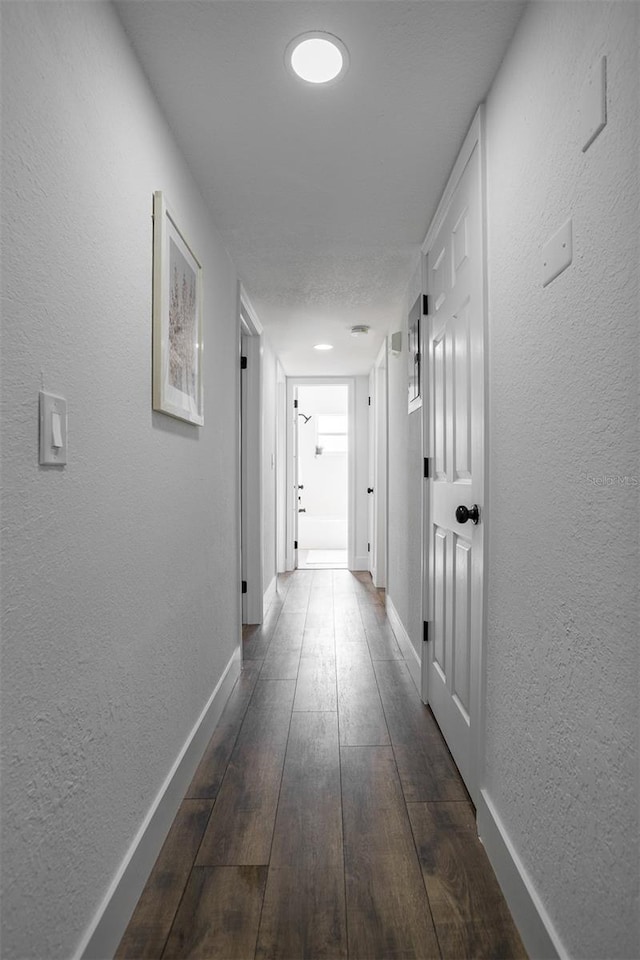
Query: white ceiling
(322, 195)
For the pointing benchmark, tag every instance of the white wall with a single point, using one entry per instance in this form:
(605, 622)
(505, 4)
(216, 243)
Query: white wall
(404, 577)
(119, 610)
(562, 657)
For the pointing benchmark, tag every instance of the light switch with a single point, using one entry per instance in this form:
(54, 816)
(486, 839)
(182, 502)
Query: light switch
(593, 107)
(56, 430)
(53, 429)
(557, 253)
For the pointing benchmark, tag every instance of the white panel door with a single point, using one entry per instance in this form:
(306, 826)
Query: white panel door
(455, 335)
(371, 490)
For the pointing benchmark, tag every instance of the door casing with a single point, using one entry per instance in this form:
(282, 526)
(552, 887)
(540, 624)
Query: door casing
(378, 416)
(251, 523)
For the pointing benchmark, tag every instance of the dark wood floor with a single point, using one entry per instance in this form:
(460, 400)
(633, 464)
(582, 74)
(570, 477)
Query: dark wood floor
(327, 818)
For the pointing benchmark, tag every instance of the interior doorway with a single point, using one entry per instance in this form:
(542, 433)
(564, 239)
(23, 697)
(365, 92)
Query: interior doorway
(250, 463)
(322, 467)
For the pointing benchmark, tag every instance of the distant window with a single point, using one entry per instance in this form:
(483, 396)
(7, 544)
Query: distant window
(331, 436)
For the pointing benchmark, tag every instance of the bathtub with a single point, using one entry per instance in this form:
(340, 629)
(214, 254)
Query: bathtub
(321, 532)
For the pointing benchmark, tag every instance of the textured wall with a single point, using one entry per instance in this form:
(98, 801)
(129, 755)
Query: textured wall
(404, 575)
(118, 569)
(562, 664)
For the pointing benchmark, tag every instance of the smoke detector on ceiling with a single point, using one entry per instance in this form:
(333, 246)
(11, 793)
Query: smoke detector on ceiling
(360, 330)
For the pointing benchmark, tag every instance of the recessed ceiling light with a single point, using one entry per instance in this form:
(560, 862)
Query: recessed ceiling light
(317, 57)
(323, 346)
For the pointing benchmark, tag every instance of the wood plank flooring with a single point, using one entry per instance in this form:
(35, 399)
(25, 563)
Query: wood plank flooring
(327, 820)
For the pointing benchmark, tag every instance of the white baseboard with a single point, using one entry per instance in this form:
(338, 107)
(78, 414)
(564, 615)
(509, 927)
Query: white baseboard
(404, 642)
(360, 563)
(110, 921)
(270, 593)
(532, 920)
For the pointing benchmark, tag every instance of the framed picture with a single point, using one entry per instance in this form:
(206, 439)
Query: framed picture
(177, 319)
(413, 353)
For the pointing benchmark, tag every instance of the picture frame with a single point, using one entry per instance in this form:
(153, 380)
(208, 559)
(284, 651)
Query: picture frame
(177, 320)
(414, 357)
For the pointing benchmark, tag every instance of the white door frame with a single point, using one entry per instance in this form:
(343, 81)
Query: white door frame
(371, 476)
(281, 469)
(474, 138)
(380, 469)
(251, 459)
(292, 499)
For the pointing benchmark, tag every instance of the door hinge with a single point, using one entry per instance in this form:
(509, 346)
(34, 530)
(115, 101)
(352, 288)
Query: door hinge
(295, 404)
(295, 544)
(243, 363)
(368, 548)
(244, 586)
(369, 401)
(425, 304)
(425, 631)
(427, 468)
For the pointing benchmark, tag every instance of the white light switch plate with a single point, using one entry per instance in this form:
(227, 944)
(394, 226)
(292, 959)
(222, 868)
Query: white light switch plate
(593, 108)
(557, 253)
(53, 429)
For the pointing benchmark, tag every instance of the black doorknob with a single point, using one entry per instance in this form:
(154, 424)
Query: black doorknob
(467, 513)
(369, 489)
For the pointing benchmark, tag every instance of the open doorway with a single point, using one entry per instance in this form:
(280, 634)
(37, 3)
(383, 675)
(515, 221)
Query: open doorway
(323, 475)
(251, 463)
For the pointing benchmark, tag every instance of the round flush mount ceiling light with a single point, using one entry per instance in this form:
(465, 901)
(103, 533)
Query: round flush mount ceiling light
(323, 346)
(317, 57)
(360, 330)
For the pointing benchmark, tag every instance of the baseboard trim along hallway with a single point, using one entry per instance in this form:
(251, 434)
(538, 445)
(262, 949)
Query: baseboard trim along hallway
(534, 923)
(110, 921)
(412, 659)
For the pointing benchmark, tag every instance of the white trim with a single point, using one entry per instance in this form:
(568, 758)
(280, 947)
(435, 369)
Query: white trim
(291, 526)
(538, 933)
(482, 688)
(281, 469)
(252, 507)
(381, 463)
(252, 317)
(105, 931)
(425, 499)
(270, 592)
(473, 137)
(238, 496)
(411, 658)
(371, 477)
(353, 562)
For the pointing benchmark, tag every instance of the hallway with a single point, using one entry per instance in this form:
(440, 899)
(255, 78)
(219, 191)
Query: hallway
(326, 818)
